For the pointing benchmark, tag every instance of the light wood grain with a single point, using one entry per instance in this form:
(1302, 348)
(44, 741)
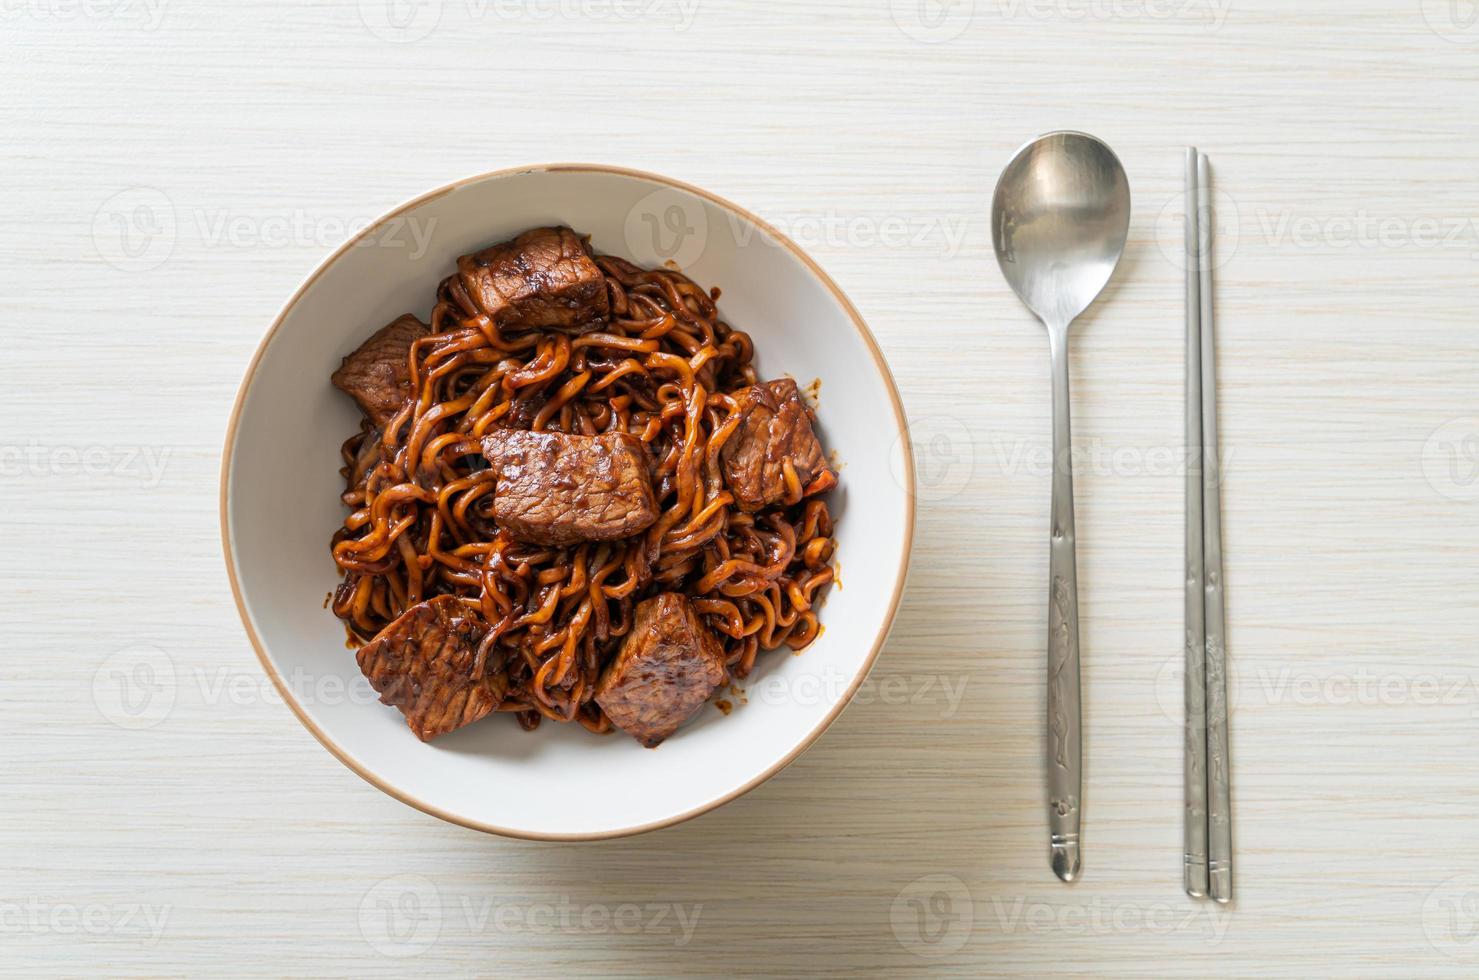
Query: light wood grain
(1351, 573)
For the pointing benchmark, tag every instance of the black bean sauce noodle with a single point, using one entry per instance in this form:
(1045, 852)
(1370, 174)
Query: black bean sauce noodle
(666, 370)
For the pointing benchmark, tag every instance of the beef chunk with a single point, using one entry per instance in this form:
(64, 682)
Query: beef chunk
(775, 428)
(542, 279)
(668, 666)
(378, 375)
(558, 489)
(423, 663)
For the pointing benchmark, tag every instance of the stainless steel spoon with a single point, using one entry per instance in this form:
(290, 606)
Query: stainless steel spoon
(1059, 222)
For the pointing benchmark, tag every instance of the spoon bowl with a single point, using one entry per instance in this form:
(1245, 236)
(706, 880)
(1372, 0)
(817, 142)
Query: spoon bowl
(1059, 221)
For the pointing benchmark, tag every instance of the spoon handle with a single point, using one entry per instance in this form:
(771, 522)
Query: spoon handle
(1064, 741)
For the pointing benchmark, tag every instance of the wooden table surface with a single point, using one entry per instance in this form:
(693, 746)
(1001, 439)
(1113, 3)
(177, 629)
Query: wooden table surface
(173, 169)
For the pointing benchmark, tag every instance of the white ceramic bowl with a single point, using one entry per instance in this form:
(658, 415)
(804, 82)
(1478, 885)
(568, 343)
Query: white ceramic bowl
(280, 503)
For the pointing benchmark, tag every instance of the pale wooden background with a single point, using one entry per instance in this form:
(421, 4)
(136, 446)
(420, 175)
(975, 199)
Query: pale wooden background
(244, 138)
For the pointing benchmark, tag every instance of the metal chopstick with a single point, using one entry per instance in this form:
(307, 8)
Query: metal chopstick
(1195, 772)
(1219, 790)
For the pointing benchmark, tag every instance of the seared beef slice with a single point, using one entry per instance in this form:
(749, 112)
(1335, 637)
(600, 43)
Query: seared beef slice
(423, 664)
(378, 375)
(774, 429)
(668, 666)
(542, 279)
(558, 489)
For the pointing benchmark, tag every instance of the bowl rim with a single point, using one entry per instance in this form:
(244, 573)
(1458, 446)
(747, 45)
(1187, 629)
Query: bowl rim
(907, 462)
